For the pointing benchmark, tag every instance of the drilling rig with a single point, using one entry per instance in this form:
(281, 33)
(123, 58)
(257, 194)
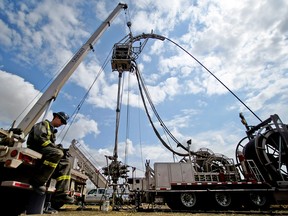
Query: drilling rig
(203, 179)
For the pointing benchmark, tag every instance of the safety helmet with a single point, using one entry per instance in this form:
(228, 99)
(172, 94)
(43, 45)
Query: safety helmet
(63, 116)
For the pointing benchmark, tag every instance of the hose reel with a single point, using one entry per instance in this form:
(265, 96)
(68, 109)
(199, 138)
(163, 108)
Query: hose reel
(268, 147)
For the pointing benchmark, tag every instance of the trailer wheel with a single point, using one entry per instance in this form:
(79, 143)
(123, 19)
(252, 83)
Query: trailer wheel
(188, 200)
(258, 201)
(223, 199)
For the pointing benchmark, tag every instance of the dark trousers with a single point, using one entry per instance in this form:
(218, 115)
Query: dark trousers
(63, 174)
(51, 156)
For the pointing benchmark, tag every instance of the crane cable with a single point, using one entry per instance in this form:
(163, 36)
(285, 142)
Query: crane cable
(77, 109)
(83, 99)
(38, 95)
(214, 77)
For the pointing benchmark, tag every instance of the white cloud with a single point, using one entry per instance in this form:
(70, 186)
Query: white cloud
(81, 127)
(6, 35)
(16, 95)
(146, 58)
(243, 43)
(43, 27)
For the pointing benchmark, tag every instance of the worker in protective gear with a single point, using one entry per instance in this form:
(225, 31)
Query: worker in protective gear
(53, 162)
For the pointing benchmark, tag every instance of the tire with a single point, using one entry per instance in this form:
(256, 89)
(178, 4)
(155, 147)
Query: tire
(223, 200)
(188, 200)
(258, 201)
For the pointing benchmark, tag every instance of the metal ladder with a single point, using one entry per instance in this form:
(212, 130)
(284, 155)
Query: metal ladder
(254, 169)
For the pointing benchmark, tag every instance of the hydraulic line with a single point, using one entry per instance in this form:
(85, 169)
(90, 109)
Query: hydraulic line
(155, 111)
(142, 87)
(140, 81)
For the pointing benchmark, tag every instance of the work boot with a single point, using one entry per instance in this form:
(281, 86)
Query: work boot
(49, 210)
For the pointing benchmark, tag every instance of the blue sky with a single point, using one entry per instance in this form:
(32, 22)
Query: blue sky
(243, 43)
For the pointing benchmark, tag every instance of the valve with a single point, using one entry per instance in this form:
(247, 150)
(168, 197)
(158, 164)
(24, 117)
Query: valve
(123, 170)
(105, 171)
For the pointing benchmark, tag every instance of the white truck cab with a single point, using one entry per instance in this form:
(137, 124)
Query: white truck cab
(97, 196)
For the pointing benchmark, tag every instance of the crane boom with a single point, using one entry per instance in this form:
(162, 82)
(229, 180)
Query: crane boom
(51, 93)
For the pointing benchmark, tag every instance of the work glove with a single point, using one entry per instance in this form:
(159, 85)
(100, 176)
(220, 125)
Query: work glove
(60, 146)
(65, 151)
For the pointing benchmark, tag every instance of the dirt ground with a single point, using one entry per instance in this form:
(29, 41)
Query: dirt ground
(73, 210)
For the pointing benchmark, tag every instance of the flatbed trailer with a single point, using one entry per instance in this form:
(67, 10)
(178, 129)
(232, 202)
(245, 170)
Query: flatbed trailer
(208, 180)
